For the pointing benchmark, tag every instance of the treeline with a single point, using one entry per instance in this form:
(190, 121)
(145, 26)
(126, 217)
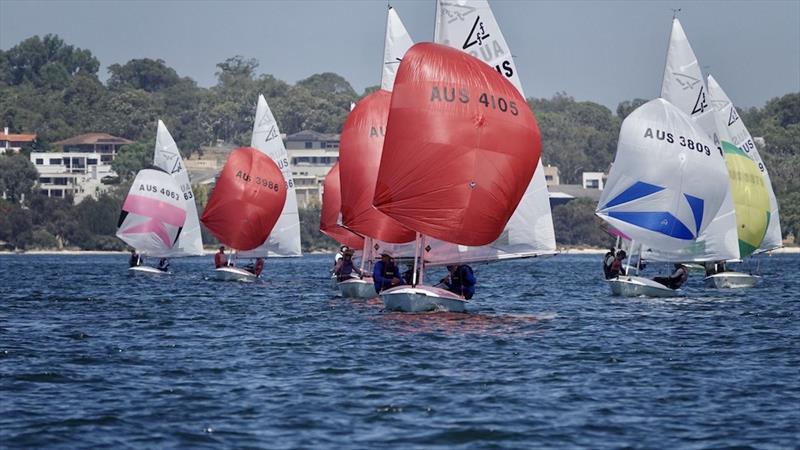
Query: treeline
(51, 88)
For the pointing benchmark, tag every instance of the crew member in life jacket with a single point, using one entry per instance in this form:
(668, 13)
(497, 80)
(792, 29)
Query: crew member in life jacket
(342, 250)
(460, 280)
(256, 268)
(219, 258)
(345, 268)
(163, 265)
(135, 260)
(608, 260)
(385, 274)
(678, 277)
(616, 266)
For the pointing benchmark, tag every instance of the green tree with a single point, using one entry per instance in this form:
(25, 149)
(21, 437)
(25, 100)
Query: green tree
(132, 158)
(151, 75)
(627, 107)
(576, 224)
(46, 62)
(18, 175)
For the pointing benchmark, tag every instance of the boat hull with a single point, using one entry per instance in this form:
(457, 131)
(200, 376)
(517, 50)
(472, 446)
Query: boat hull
(421, 299)
(731, 280)
(632, 286)
(357, 288)
(146, 270)
(234, 274)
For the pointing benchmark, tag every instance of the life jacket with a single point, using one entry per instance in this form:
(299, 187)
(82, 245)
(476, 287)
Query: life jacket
(390, 271)
(259, 266)
(219, 260)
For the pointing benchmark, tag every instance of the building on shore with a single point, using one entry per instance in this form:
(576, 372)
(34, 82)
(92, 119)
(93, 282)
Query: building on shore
(561, 194)
(13, 143)
(103, 144)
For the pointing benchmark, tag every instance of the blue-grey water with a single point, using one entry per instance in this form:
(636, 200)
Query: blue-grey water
(546, 358)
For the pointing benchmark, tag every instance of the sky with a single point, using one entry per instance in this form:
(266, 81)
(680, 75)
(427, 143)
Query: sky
(603, 51)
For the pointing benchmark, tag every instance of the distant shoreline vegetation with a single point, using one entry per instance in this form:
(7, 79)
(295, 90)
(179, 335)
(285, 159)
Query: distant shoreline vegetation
(51, 88)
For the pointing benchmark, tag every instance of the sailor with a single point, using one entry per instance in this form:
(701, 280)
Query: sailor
(616, 266)
(385, 273)
(715, 267)
(219, 258)
(135, 260)
(608, 260)
(256, 268)
(676, 280)
(408, 275)
(345, 267)
(163, 265)
(340, 254)
(460, 280)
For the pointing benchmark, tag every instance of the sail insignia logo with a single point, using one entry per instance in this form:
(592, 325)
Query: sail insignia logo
(170, 155)
(473, 37)
(272, 134)
(454, 11)
(265, 120)
(685, 81)
(733, 117)
(700, 104)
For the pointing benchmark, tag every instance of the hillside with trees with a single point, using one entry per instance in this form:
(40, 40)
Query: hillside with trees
(51, 88)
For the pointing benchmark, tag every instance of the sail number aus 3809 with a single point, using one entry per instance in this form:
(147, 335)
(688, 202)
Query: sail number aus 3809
(462, 95)
(678, 139)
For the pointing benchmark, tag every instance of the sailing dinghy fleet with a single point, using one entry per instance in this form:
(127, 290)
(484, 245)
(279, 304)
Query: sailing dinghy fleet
(441, 166)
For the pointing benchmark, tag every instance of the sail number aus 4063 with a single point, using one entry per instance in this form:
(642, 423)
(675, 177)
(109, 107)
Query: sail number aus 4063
(156, 190)
(462, 95)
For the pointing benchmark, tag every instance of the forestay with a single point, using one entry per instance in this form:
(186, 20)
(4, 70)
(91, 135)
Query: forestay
(168, 158)
(470, 26)
(153, 214)
(284, 240)
(734, 131)
(684, 86)
(667, 182)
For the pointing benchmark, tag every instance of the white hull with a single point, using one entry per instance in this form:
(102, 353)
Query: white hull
(632, 286)
(732, 280)
(146, 270)
(421, 299)
(234, 274)
(357, 288)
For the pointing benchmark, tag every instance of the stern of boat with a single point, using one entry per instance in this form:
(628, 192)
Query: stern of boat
(357, 288)
(633, 286)
(421, 299)
(731, 280)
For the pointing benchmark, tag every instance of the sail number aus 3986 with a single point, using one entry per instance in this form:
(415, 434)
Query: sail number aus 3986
(462, 95)
(269, 184)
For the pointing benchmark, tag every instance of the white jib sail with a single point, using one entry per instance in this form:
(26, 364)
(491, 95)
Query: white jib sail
(284, 240)
(395, 46)
(470, 26)
(153, 214)
(666, 183)
(684, 86)
(168, 158)
(740, 137)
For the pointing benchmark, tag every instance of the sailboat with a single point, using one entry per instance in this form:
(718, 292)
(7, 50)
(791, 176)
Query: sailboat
(167, 157)
(683, 86)
(460, 150)
(152, 217)
(758, 225)
(244, 206)
(284, 240)
(666, 184)
(361, 145)
(331, 217)
(470, 26)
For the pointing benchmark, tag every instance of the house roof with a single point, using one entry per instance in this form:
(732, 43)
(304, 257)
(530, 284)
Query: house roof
(575, 190)
(311, 135)
(93, 138)
(17, 137)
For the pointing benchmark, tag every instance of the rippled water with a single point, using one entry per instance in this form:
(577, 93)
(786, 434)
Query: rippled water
(546, 358)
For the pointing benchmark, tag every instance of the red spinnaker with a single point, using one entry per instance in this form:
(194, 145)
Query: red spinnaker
(359, 159)
(246, 201)
(331, 205)
(461, 147)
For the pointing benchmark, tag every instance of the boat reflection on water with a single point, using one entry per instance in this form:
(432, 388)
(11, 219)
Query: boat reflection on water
(465, 323)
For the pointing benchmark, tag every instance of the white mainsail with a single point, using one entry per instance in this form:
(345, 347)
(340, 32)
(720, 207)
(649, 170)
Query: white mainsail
(737, 132)
(168, 158)
(153, 214)
(470, 26)
(395, 45)
(666, 183)
(684, 87)
(284, 240)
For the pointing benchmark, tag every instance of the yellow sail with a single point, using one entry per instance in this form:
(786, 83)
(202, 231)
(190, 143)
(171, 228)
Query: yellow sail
(750, 198)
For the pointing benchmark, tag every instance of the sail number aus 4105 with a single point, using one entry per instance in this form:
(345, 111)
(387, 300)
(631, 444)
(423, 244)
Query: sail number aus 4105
(462, 95)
